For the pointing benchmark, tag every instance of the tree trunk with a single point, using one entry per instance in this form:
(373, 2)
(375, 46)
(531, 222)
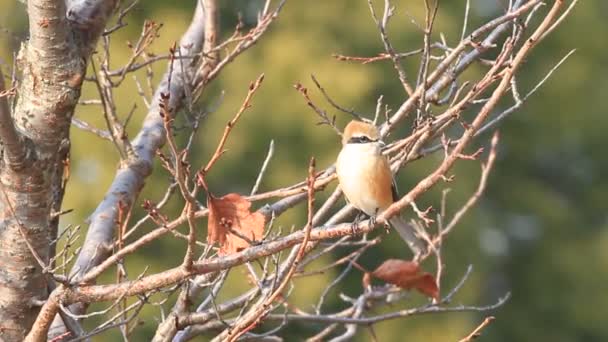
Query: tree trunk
(35, 149)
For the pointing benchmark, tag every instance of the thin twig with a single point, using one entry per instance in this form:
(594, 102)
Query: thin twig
(253, 87)
(258, 181)
(477, 332)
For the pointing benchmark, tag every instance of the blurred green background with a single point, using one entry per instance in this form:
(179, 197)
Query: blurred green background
(540, 231)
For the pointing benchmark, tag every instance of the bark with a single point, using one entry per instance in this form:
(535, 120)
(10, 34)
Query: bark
(35, 141)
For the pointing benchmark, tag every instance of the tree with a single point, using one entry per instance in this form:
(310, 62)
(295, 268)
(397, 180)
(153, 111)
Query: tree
(36, 115)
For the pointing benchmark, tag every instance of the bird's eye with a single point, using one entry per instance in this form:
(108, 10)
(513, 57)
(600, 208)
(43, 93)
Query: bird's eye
(360, 140)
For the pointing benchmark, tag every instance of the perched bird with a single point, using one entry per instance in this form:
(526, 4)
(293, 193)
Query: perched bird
(366, 179)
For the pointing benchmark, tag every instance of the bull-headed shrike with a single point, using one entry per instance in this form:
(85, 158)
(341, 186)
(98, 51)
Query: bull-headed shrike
(366, 179)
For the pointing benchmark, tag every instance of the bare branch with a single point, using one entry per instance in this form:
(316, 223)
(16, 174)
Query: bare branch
(325, 118)
(263, 169)
(282, 254)
(477, 332)
(253, 87)
(394, 315)
(430, 180)
(485, 171)
(445, 80)
(130, 177)
(388, 13)
(210, 54)
(334, 104)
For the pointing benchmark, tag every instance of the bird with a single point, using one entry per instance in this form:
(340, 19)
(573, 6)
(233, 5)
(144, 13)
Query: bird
(366, 179)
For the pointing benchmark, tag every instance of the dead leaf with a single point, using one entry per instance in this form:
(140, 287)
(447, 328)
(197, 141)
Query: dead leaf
(367, 280)
(232, 212)
(407, 275)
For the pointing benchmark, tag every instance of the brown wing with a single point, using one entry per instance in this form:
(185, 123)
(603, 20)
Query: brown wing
(395, 191)
(384, 186)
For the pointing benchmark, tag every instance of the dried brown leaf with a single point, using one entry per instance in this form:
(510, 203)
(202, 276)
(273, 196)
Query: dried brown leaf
(366, 280)
(407, 275)
(231, 213)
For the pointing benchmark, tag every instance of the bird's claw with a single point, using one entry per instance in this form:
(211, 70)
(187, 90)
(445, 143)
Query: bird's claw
(372, 218)
(353, 227)
(355, 224)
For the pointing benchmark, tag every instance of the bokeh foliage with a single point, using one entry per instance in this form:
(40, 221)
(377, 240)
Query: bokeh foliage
(540, 231)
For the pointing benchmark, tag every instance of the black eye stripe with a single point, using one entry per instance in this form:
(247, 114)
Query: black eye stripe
(360, 140)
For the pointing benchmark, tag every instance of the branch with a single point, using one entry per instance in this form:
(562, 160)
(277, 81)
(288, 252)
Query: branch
(258, 180)
(333, 103)
(469, 133)
(485, 172)
(477, 332)
(253, 87)
(388, 47)
(131, 176)
(269, 287)
(439, 72)
(204, 76)
(88, 19)
(210, 55)
(328, 318)
(259, 311)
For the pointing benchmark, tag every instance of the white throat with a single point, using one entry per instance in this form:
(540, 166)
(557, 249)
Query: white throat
(357, 150)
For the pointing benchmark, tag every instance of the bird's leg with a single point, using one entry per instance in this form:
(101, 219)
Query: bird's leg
(372, 218)
(372, 221)
(355, 224)
(387, 228)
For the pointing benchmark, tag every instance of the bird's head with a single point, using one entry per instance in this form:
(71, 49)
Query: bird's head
(359, 132)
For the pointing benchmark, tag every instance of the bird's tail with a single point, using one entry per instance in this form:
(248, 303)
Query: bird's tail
(408, 234)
